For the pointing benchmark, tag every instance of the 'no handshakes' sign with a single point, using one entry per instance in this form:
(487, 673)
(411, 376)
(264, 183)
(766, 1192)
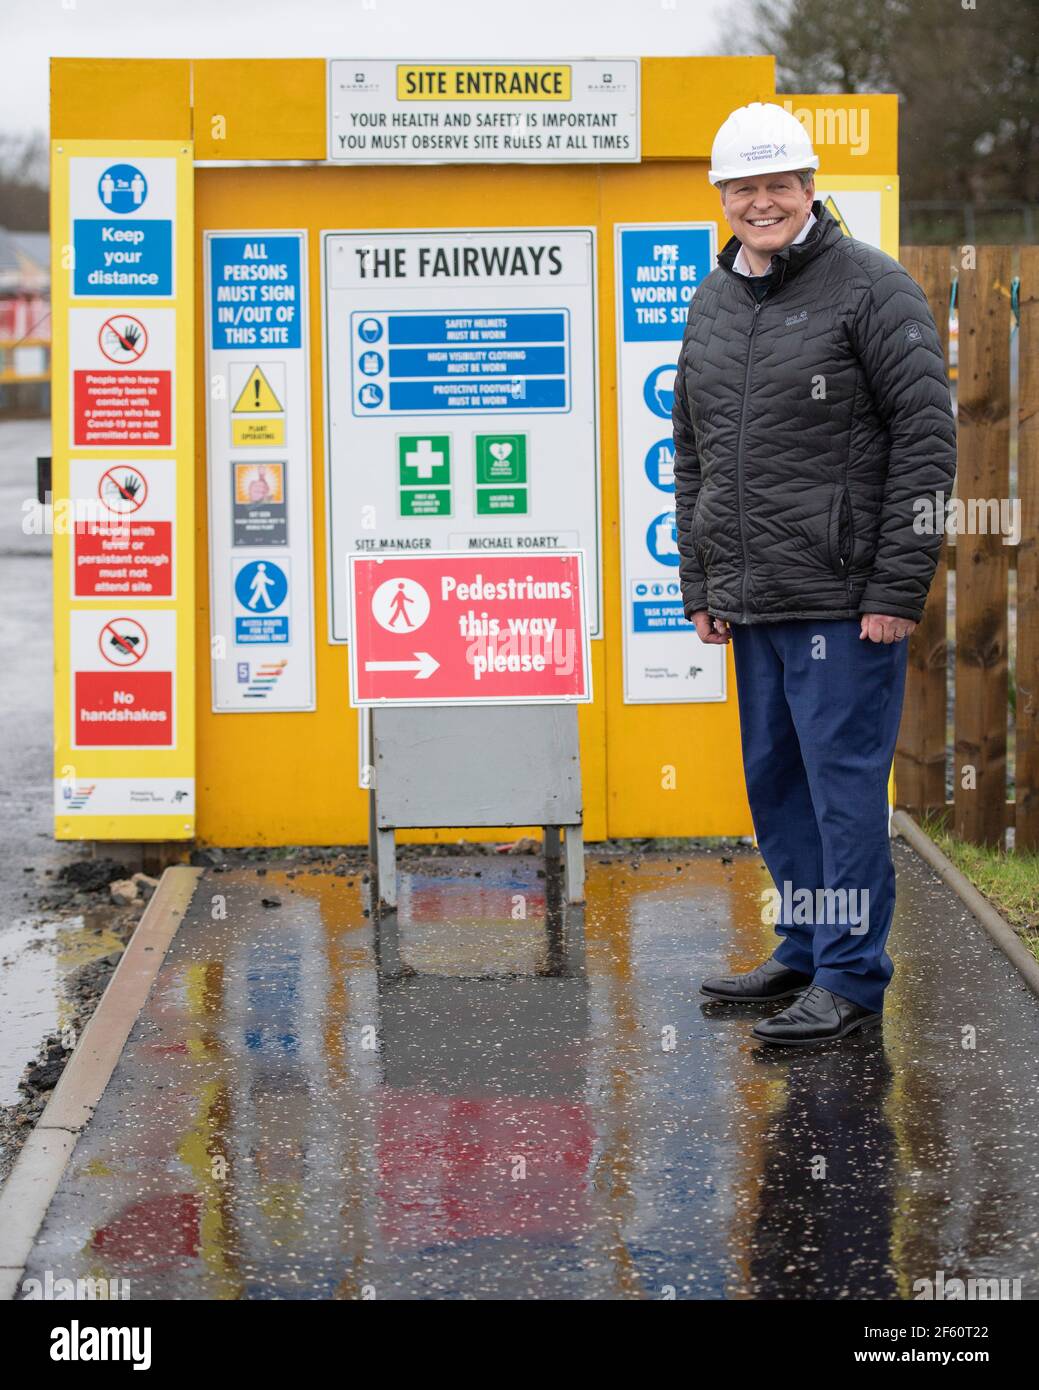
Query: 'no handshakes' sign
(449, 629)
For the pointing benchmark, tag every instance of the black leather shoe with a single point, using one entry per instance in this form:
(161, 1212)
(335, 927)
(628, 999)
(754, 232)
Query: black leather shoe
(818, 1016)
(773, 980)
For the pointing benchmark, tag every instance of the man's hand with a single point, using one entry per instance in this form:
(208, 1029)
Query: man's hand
(711, 631)
(880, 627)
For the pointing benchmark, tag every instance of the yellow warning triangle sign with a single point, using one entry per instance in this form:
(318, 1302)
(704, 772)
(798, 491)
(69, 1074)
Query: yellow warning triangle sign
(831, 208)
(256, 395)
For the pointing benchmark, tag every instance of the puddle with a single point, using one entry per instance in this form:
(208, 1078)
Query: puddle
(36, 957)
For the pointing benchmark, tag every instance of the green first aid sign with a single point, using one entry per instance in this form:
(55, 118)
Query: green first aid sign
(424, 460)
(501, 458)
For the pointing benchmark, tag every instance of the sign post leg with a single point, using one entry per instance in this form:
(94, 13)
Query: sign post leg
(574, 862)
(551, 846)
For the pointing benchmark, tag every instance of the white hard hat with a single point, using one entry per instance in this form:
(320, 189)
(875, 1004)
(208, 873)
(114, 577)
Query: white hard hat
(761, 138)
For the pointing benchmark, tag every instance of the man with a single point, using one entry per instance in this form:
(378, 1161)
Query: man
(811, 410)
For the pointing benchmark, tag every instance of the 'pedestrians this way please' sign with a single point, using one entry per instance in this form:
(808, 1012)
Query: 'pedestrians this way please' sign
(448, 629)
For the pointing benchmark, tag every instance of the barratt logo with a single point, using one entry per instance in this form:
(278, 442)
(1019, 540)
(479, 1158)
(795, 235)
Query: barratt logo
(607, 83)
(360, 83)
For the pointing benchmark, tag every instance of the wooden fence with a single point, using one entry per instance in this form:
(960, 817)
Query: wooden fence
(973, 685)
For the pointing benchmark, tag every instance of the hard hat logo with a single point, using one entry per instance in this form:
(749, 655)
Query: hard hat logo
(763, 152)
(761, 138)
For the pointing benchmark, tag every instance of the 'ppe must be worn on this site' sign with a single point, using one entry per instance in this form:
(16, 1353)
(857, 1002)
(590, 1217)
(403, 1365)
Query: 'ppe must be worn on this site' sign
(392, 112)
(260, 570)
(449, 629)
(461, 375)
(659, 266)
(124, 459)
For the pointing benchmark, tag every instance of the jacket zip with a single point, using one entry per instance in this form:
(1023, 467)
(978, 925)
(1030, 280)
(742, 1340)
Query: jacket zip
(739, 446)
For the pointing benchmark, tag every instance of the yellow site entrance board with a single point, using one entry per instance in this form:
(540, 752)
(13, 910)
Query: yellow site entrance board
(124, 710)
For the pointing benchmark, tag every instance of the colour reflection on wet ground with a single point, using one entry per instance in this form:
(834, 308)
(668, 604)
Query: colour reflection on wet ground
(488, 1095)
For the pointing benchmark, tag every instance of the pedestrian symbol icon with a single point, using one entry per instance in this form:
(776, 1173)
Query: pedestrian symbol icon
(659, 390)
(400, 605)
(261, 586)
(662, 539)
(122, 188)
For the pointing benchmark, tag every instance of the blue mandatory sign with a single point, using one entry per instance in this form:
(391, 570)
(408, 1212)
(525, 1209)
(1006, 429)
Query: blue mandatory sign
(122, 188)
(660, 270)
(662, 539)
(256, 291)
(660, 465)
(261, 586)
(659, 390)
(370, 395)
(371, 363)
(369, 330)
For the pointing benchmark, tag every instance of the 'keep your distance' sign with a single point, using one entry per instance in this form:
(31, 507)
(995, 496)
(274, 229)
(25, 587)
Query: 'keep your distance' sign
(448, 629)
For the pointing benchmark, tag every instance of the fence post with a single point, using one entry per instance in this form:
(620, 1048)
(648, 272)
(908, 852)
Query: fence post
(1026, 764)
(920, 754)
(982, 569)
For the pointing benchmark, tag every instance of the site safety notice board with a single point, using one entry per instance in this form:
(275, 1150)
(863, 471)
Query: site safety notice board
(258, 422)
(123, 460)
(461, 376)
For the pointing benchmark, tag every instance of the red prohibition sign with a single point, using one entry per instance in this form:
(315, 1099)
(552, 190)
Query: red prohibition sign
(122, 645)
(122, 489)
(127, 339)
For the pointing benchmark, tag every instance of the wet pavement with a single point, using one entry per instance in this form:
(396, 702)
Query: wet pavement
(37, 948)
(488, 1096)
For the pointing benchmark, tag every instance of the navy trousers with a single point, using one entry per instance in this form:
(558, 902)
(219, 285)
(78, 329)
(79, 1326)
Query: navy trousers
(819, 715)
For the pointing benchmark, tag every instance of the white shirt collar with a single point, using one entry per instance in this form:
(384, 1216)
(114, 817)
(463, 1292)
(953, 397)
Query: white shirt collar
(740, 265)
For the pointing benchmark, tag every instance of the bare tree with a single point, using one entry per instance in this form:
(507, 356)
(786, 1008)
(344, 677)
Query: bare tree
(966, 73)
(23, 182)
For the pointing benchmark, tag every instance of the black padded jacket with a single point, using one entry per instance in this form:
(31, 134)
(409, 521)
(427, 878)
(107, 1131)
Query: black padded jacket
(812, 431)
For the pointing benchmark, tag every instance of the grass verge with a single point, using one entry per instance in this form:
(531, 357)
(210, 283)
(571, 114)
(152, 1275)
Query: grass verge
(1009, 881)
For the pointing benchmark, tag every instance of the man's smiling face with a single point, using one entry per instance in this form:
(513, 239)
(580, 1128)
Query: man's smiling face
(766, 212)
